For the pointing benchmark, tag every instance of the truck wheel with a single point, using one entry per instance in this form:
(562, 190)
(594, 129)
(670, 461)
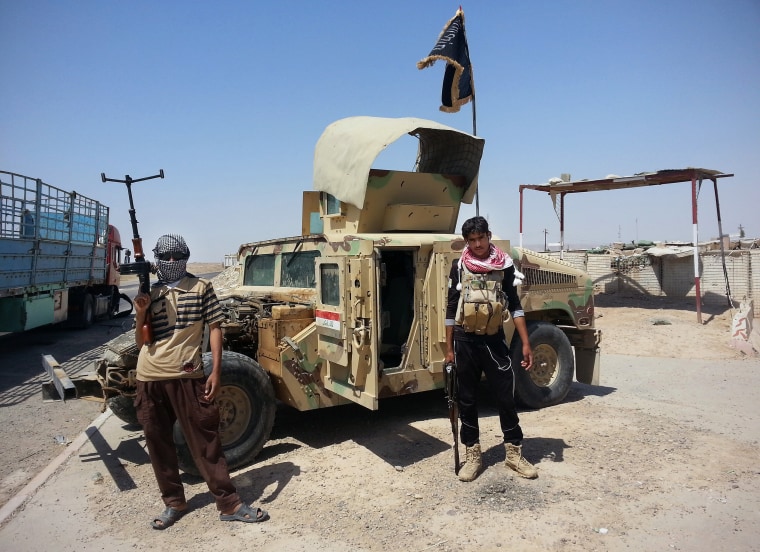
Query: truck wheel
(123, 408)
(88, 311)
(246, 411)
(549, 380)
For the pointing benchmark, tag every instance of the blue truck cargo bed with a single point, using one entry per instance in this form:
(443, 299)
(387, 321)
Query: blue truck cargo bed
(49, 238)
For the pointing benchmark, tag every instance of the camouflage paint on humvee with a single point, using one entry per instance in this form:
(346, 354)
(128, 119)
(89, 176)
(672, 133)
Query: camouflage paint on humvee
(352, 309)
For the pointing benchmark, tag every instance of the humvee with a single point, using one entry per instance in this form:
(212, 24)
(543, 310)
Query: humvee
(352, 309)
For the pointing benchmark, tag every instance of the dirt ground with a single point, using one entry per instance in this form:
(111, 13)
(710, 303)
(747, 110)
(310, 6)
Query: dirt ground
(36, 429)
(661, 456)
(657, 327)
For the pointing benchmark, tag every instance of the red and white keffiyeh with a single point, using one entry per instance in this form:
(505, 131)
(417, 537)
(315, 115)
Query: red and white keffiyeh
(497, 260)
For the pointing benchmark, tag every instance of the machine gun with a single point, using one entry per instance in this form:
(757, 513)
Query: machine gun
(450, 374)
(140, 266)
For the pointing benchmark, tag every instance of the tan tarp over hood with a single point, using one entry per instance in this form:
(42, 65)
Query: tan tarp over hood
(347, 148)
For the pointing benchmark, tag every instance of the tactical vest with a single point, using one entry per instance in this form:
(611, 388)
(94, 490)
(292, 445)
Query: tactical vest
(481, 302)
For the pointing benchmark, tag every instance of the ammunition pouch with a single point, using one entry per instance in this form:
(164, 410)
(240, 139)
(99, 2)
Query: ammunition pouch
(481, 302)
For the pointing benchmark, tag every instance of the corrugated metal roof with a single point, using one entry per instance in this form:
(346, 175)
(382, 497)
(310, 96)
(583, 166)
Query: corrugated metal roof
(614, 182)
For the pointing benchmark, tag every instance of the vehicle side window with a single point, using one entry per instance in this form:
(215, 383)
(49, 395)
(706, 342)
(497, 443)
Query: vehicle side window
(298, 269)
(329, 275)
(259, 270)
(332, 205)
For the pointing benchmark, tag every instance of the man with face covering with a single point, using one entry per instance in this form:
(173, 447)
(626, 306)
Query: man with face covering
(171, 384)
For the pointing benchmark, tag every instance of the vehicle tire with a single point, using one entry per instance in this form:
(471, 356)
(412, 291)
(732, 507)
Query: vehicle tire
(549, 380)
(87, 315)
(123, 408)
(246, 411)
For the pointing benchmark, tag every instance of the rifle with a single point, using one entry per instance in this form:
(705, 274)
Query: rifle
(450, 373)
(141, 267)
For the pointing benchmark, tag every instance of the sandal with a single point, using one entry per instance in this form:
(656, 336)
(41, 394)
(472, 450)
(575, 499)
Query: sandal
(167, 518)
(246, 514)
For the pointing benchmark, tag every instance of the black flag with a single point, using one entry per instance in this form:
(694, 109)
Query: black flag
(452, 48)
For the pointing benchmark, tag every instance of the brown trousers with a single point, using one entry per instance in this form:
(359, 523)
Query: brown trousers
(159, 404)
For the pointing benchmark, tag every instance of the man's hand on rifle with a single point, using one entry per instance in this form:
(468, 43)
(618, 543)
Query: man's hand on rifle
(141, 303)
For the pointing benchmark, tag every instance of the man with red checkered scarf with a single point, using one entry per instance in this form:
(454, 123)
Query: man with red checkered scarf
(481, 283)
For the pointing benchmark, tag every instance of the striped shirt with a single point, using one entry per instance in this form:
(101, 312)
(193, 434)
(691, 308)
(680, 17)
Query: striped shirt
(178, 318)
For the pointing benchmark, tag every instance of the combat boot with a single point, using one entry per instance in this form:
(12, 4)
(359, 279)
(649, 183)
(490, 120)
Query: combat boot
(472, 463)
(516, 462)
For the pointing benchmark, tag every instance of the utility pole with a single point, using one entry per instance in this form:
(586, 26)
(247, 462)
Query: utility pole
(545, 232)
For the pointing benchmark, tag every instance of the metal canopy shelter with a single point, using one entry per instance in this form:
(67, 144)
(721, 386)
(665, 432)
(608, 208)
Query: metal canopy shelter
(695, 176)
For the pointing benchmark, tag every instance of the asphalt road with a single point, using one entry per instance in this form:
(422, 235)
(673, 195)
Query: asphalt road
(73, 348)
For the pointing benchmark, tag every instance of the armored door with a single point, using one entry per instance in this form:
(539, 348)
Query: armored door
(346, 321)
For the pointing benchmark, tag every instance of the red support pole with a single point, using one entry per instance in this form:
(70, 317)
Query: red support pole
(521, 216)
(562, 225)
(695, 233)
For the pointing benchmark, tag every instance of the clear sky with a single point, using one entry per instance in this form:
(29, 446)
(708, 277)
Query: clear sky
(230, 97)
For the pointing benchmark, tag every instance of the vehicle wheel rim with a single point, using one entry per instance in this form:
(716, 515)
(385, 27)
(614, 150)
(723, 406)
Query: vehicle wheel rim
(235, 413)
(545, 365)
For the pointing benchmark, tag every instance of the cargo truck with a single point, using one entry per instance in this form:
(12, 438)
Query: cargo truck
(59, 256)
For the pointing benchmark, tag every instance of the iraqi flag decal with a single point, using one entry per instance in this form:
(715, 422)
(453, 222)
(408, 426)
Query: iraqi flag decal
(328, 319)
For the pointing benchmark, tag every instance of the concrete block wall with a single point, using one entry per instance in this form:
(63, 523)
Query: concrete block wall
(739, 271)
(641, 278)
(672, 276)
(677, 276)
(598, 267)
(576, 258)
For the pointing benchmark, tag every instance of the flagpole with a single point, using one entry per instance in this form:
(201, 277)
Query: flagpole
(448, 48)
(474, 112)
(475, 133)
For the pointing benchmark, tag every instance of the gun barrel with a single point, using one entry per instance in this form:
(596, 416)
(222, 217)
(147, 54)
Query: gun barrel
(141, 267)
(450, 382)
